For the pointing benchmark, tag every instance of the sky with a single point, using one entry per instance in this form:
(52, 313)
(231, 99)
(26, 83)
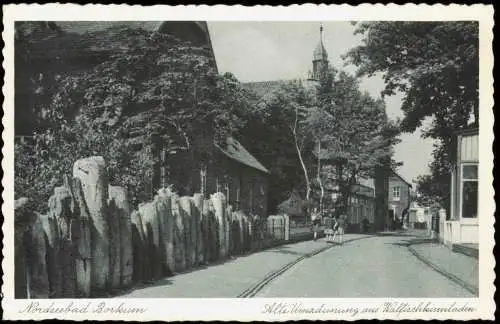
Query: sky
(266, 51)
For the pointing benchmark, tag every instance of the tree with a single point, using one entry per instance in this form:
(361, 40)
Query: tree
(267, 135)
(353, 133)
(149, 92)
(277, 133)
(436, 66)
(295, 103)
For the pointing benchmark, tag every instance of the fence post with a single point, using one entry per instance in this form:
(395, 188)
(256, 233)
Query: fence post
(82, 239)
(31, 278)
(218, 201)
(199, 205)
(114, 216)
(124, 260)
(92, 174)
(139, 258)
(167, 222)
(187, 215)
(228, 235)
(60, 212)
(207, 226)
(151, 223)
(179, 240)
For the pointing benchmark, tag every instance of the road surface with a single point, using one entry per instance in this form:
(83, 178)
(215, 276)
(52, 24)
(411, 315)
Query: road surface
(375, 267)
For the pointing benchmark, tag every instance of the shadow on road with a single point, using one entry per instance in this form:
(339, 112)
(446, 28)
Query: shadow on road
(411, 241)
(284, 250)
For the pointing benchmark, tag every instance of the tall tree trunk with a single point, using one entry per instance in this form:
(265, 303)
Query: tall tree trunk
(299, 153)
(319, 179)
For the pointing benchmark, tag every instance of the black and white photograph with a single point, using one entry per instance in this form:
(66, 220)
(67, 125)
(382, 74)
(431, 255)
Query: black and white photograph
(199, 159)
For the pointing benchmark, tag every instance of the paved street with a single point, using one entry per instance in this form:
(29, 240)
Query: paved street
(374, 267)
(230, 278)
(379, 266)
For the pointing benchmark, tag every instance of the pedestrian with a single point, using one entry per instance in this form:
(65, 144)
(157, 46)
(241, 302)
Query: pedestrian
(340, 225)
(335, 226)
(315, 222)
(329, 228)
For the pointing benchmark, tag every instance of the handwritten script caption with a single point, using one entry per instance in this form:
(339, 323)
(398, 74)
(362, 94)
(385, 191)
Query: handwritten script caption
(75, 307)
(283, 308)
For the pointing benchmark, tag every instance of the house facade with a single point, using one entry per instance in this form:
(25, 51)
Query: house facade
(239, 176)
(361, 215)
(399, 198)
(461, 225)
(419, 217)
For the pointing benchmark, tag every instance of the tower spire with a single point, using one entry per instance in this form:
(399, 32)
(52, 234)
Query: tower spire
(320, 57)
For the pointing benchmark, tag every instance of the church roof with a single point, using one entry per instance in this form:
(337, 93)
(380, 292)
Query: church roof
(235, 151)
(264, 89)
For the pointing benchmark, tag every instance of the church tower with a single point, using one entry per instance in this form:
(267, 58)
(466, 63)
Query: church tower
(320, 58)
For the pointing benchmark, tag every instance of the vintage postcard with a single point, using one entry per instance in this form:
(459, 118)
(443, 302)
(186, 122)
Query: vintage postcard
(248, 163)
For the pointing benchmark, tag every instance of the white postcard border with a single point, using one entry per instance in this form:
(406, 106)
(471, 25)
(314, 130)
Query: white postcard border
(254, 309)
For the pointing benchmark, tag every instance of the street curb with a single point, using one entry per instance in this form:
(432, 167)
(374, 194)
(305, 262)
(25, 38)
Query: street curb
(253, 290)
(471, 288)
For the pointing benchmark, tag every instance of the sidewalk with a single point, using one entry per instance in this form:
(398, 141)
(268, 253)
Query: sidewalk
(458, 267)
(231, 278)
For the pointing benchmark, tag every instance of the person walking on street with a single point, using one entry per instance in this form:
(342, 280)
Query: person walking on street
(340, 225)
(315, 217)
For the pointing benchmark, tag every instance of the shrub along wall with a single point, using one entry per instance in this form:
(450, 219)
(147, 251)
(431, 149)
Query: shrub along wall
(91, 244)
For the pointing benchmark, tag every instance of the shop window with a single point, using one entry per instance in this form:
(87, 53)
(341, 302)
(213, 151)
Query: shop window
(469, 190)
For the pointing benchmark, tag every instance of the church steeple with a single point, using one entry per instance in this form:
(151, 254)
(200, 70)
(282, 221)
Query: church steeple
(320, 57)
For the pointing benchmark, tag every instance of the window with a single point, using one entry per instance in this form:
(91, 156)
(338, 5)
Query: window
(226, 189)
(469, 188)
(203, 179)
(395, 193)
(237, 197)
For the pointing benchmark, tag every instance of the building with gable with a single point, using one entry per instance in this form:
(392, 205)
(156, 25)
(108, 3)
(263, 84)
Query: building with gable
(399, 198)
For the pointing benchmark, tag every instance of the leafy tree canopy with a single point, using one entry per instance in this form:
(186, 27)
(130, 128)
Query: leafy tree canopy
(436, 67)
(353, 130)
(148, 91)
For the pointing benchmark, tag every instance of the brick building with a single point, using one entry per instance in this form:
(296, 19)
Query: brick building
(399, 197)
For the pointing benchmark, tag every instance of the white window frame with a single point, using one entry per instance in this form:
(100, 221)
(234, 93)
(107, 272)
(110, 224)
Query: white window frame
(460, 194)
(396, 189)
(203, 179)
(226, 189)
